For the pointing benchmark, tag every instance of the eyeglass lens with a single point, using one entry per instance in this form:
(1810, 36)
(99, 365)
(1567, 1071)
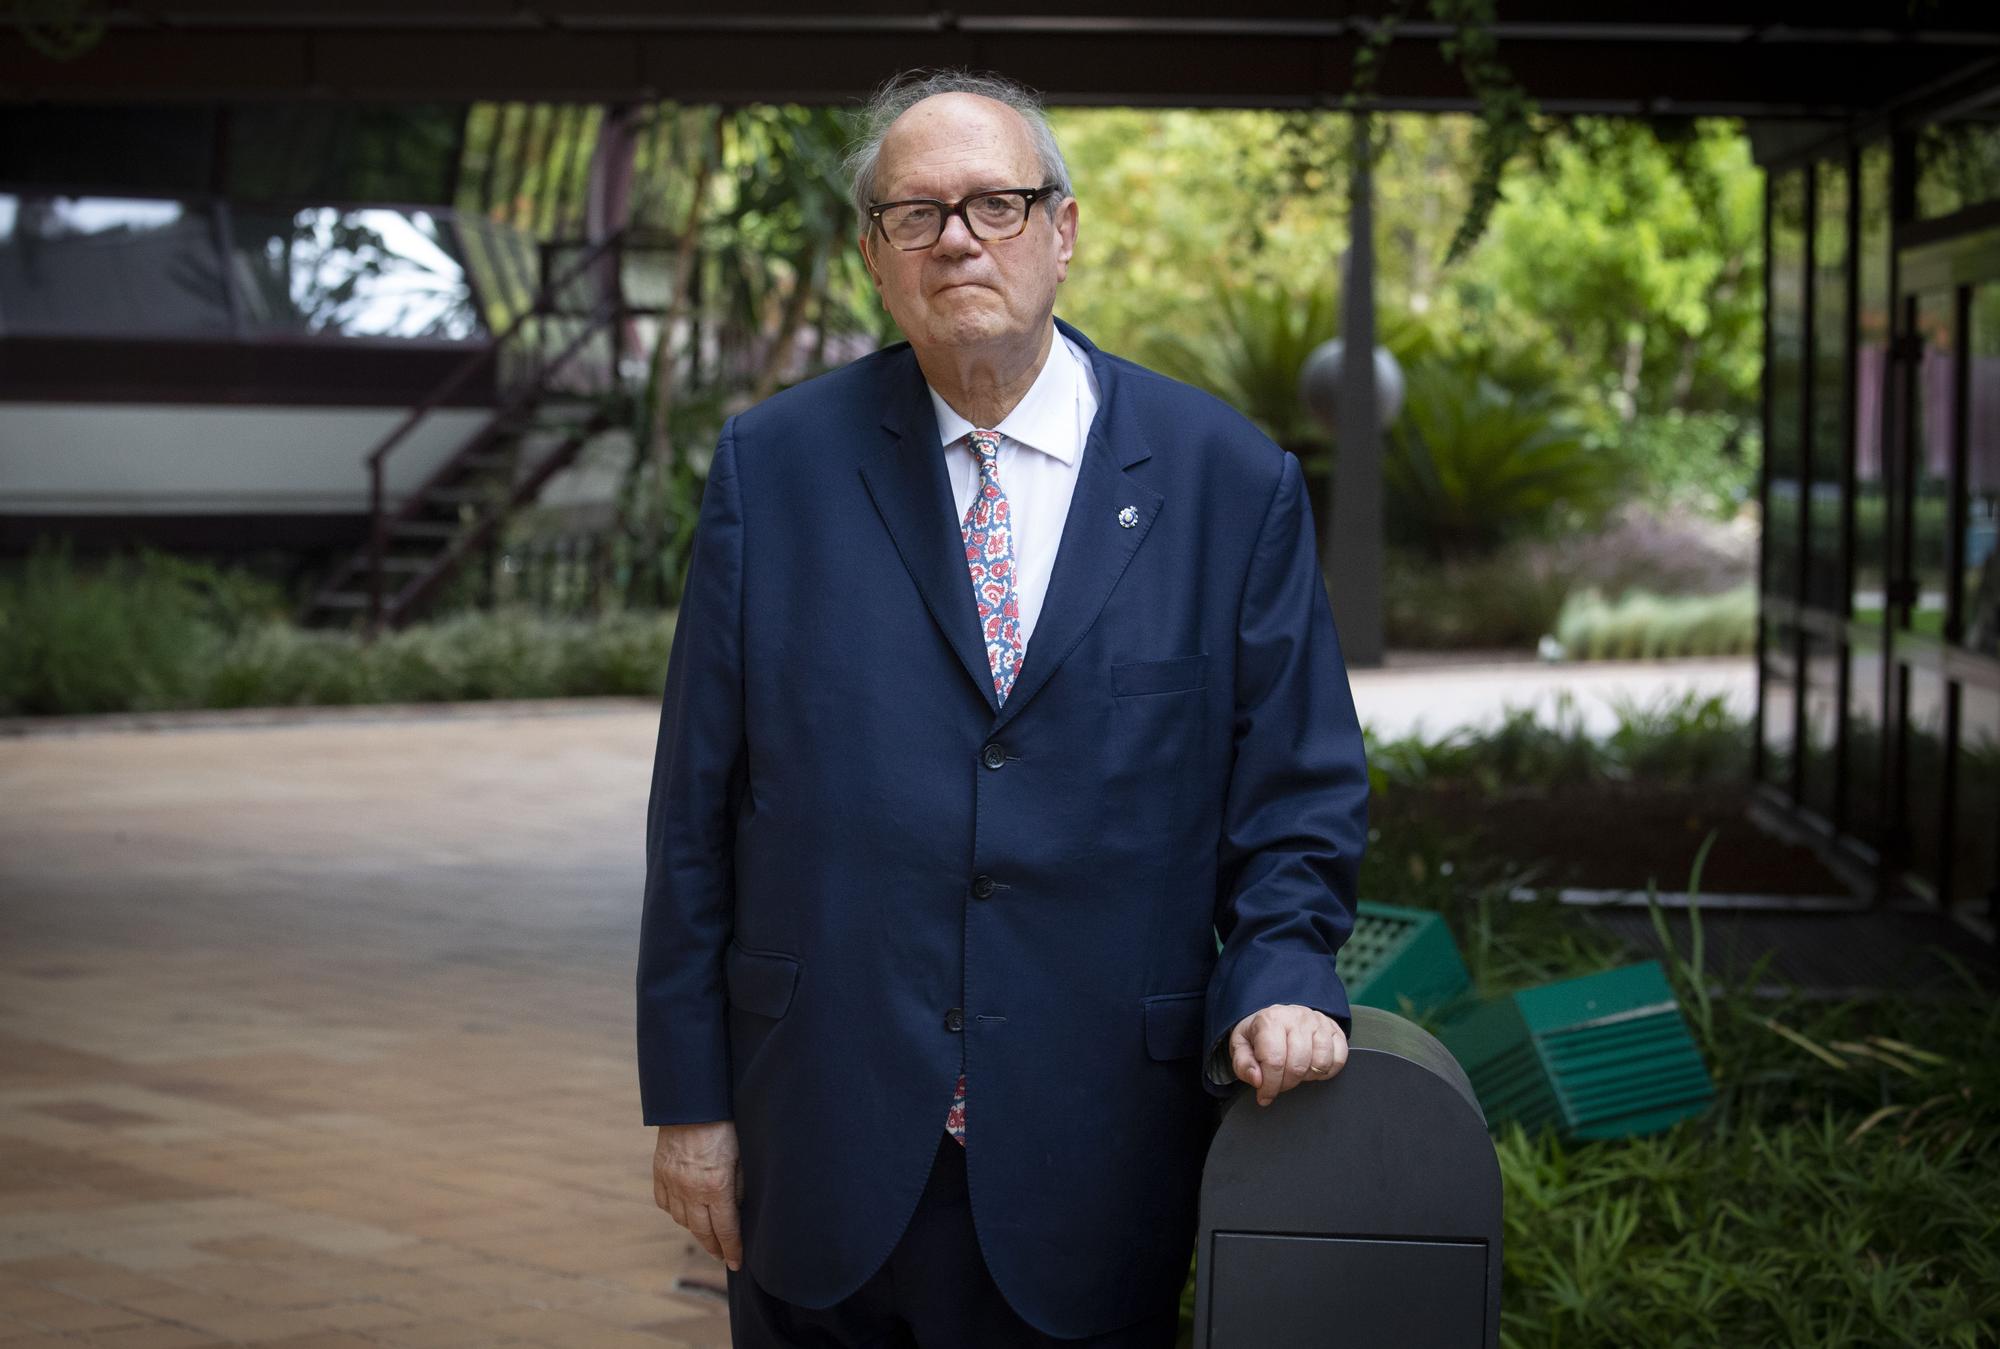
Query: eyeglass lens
(994, 216)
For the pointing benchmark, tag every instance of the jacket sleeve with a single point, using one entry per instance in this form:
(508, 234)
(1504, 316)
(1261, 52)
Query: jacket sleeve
(1295, 816)
(698, 776)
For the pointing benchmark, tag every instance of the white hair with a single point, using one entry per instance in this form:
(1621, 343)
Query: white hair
(903, 92)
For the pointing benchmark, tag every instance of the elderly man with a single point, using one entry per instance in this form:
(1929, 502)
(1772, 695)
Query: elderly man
(1005, 687)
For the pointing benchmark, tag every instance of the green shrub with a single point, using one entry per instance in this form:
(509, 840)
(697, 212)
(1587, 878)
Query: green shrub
(155, 632)
(1641, 625)
(1679, 739)
(1707, 459)
(469, 656)
(278, 665)
(1507, 598)
(1472, 463)
(114, 634)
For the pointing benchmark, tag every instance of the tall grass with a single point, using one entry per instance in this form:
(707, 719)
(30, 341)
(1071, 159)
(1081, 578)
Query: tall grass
(1844, 1189)
(151, 631)
(1641, 625)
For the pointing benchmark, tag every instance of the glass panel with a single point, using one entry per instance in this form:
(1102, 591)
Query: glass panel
(1865, 807)
(149, 150)
(1787, 319)
(1826, 581)
(1958, 162)
(1874, 319)
(360, 273)
(1780, 683)
(1973, 868)
(1822, 694)
(124, 265)
(1931, 473)
(342, 152)
(1981, 626)
(1923, 801)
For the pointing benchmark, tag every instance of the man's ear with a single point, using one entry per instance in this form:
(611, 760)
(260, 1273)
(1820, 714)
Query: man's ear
(1065, 236)
(861, 242)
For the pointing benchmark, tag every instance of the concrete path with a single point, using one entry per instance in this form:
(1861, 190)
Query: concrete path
(1436, 698)
(316, 1028)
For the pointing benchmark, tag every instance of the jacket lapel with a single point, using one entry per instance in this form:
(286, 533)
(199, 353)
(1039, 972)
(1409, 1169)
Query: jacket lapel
(1096, 545)
(912, 490)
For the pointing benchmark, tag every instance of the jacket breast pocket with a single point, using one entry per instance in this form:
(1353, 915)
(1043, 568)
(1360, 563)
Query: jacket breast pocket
(759, 981)
(1172, 675)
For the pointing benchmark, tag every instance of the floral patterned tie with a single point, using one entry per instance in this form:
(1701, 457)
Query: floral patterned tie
(988, 530)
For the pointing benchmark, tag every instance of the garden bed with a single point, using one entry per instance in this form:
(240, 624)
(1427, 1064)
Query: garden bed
(1610, 836)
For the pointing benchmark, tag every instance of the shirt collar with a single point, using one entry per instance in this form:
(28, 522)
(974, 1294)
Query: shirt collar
(1044, 419)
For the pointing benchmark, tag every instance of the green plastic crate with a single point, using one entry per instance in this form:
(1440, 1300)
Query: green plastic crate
(1396, 953)
(1605, 1056)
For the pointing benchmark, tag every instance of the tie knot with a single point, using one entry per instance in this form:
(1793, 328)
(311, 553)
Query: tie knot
(985, 444)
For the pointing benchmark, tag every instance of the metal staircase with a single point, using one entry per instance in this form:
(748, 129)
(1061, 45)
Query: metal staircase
(557, 367)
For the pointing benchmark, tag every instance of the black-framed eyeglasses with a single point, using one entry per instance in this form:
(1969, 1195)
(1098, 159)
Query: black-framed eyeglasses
(995, 214)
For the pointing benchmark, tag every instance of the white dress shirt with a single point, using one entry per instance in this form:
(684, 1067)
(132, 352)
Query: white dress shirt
(1041, 447)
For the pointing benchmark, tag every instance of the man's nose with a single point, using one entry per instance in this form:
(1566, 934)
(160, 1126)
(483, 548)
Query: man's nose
(955, 240)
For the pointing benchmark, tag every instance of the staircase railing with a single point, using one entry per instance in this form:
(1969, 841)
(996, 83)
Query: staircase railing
(607, 308)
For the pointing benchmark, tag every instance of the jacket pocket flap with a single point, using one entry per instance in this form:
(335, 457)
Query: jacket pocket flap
(1160, 676)
(760, 981)
(1173, 1024)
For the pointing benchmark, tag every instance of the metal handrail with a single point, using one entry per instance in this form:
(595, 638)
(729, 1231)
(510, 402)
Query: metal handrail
(475, 360)
(601, 314)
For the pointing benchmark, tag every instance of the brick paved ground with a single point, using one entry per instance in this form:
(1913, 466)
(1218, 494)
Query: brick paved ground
(318, 1033)
(320, 1036)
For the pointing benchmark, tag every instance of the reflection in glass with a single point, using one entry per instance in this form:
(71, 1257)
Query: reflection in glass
(1923, 770)
(1980, 630)
(1865, 808)
(1826, 583)
(1780, 684)
(341, 151)
(1930, 475)
(1787, 320)
(1822, 729)
(113, 265)
(1958, 163)
(1873, 321)
(1976, 840)
(368, 272)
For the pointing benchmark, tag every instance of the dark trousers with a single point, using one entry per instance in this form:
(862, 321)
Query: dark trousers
(933, 1292)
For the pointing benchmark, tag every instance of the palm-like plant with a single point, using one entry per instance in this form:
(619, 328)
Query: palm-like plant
(1253, 345)
(1471, 463)
(1250, 352)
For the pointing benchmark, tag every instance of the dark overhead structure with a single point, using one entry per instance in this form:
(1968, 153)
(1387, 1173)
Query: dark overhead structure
(1646, 57)
(170, 148)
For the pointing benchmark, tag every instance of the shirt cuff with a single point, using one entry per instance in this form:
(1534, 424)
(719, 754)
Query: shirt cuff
(1218, 1067)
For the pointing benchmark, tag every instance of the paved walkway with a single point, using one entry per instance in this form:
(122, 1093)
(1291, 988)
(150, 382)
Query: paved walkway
(315, 1029)
(1435, 698)
(320, 1036)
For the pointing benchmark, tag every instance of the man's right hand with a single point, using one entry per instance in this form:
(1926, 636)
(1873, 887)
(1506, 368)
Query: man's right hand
(698, 1178)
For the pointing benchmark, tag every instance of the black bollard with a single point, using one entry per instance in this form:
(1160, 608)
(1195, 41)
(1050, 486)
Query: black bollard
(1360, 1211)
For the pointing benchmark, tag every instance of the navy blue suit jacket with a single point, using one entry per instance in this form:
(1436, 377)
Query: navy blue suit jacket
(863, 872)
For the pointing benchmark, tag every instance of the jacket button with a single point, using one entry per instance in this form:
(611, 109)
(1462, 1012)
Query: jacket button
(993, 756)
(954, 1019)
(982, 886)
